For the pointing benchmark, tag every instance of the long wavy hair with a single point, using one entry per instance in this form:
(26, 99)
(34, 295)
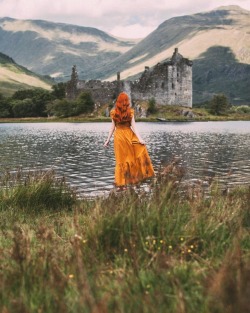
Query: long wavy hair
(122, 109)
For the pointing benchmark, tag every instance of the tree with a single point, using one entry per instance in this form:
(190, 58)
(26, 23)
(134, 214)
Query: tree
(23, 94)
(59, 91)
(219, 105)
(61, 108)
(151, 106)
(84, 103)
(40, 99)
(34, 102)
(5, 108)
(22, 108)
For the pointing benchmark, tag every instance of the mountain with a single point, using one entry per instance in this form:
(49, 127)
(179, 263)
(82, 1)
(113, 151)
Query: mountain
(218, 43)
(194, 35)
(52, 48)
(14, 77)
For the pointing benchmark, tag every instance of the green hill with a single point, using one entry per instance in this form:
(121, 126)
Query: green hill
(218, 71)
(14, 77)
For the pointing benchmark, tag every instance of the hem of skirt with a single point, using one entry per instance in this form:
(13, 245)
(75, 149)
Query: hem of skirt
(135, 182)
(138, 163)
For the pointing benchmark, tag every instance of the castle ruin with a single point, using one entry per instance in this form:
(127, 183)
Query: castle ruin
(169, 83)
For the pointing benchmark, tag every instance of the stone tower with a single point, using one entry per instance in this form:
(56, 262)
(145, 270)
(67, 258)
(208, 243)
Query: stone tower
(71, 88)
(169, 83)
(179, 75)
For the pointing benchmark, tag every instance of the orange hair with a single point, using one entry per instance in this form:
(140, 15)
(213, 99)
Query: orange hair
(122, 109)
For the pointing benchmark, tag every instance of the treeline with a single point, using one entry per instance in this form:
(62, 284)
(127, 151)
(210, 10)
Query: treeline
(42, 103)
(219, 105)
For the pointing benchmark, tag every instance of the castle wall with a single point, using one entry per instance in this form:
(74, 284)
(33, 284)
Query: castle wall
(169, 83)
(101, 92)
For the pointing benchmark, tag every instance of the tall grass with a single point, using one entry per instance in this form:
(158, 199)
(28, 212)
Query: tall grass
(131, 252)
(34, 190)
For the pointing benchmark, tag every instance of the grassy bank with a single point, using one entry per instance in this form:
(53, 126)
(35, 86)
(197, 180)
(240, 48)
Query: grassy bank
(170, 113)
(162, 251)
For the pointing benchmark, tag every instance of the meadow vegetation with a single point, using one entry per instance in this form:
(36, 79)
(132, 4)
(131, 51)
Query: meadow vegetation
(170, 249)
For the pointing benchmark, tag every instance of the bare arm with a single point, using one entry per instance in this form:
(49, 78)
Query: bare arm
(133, 126)
(111, 131)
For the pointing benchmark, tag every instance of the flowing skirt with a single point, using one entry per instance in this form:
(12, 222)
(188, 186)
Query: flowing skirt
(133, 163)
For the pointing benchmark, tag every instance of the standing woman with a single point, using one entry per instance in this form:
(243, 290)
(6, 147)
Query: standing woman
(133, 163)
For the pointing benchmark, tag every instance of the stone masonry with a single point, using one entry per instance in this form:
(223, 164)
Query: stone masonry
(169, 83)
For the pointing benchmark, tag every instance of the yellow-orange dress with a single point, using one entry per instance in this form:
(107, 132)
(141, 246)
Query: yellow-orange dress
(133, 163)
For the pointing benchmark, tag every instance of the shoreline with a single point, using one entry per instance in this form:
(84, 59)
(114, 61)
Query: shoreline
(107, 120)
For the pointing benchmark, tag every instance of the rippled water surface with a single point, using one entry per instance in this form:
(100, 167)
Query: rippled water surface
(75, 150)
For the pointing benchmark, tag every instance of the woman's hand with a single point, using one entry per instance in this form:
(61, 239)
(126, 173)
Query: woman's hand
(142, 142)
(106, 144)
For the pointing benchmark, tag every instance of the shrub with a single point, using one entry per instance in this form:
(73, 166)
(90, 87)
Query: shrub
(151, 106)
(245, 109)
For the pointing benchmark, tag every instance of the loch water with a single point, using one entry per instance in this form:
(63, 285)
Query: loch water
(75, 150)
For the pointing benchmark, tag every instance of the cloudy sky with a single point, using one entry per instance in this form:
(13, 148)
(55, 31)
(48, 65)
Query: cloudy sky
(122, 18)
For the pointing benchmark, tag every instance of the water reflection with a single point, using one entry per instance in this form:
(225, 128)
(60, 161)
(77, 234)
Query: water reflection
(76, 151)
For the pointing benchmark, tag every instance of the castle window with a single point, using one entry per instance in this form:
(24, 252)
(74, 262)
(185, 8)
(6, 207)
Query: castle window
(156, 85)
(162, 85)
(173, 86)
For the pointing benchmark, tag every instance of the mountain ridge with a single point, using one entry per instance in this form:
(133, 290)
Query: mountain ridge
(193, 34)
(53, 48)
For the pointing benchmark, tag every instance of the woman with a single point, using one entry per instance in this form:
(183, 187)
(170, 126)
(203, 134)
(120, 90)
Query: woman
(132, 160)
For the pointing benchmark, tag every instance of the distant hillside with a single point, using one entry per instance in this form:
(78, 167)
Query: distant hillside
(218, 71)
(218, 42)
(14, 77)
(52, 48)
